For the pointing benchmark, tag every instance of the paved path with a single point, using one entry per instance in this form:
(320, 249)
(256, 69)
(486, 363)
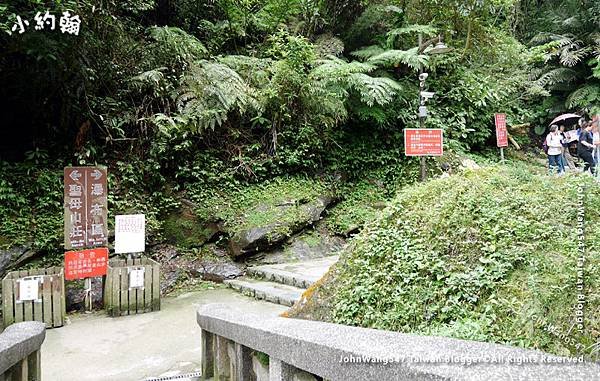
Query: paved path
(132, 348)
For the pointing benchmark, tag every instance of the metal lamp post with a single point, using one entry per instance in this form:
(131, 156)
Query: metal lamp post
(439, 48)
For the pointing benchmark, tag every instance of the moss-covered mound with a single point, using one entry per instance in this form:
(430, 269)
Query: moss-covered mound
(488, 255)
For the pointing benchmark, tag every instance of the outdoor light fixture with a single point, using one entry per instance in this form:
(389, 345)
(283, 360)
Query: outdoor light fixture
(439, 47)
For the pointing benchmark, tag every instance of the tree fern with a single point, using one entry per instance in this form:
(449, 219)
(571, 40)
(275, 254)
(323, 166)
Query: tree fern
(368, 52)
(585, 96)
(393, 35)
(209, 92)
(337, 69)
(572, 54)
(393, 57)
(152, 78)
(374, 90)
(176, 43)
(557, 76)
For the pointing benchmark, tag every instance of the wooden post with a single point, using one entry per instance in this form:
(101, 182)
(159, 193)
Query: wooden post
(502, 154)
(87, 283)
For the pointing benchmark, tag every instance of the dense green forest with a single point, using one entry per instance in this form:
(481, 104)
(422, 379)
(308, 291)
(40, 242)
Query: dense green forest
(249, 110)
(170, 93)
(178, 95)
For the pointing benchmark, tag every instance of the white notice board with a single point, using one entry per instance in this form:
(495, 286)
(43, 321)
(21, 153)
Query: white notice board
(130, 233)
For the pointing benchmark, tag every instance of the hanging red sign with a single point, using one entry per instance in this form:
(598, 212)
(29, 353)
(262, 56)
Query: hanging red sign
(86, 263)
(501, 133)
(423, 142)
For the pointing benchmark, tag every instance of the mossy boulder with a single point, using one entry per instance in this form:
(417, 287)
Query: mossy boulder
(184, 229)
(266, 226)
(488, 254)
(306, 245)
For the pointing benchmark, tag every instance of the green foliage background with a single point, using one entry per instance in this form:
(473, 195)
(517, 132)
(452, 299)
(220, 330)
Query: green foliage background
(235, 103)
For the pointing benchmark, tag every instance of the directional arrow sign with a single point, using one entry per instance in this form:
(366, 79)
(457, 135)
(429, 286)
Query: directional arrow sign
(96, 174)
(75, 175)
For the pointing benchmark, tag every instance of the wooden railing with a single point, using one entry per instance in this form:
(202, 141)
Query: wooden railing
(237, 346)
(20, 351)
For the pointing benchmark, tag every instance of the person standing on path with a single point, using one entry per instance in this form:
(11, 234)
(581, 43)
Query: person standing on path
(554, 143)
(596, 142)
(586, 146)
(566, 155)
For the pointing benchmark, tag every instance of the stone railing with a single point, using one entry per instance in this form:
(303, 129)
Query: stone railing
(233, 345)
(20, 351)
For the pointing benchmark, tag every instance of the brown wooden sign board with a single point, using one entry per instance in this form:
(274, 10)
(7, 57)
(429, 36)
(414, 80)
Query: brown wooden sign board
(85, 207)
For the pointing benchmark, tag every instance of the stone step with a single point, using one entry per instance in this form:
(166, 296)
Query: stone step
(271, 292)
(297, 274)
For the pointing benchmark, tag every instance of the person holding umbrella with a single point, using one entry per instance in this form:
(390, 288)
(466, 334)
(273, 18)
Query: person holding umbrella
(566, 155)
(554, 143)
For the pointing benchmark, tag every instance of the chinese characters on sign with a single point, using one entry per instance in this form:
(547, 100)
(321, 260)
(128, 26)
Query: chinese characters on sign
(423, 142)
(129, 234)
(136, 277)
(67, 23)
(29, 289)
(85, 207)
(85, 263)
(501, 133)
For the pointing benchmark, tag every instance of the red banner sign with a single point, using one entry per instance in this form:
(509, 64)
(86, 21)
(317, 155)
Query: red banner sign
(501, 133)
(423, 142)
(86, 263)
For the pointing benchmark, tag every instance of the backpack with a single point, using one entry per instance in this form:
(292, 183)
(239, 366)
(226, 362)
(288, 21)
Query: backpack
(545, 146)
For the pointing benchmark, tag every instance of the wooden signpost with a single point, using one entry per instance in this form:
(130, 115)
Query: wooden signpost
(86, 211)
(85, 207)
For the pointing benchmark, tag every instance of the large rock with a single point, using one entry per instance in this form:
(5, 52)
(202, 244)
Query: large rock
(15, 256)
(306, 245)
(183, 228)
(293, 218)
(217, 271)
(213, 265)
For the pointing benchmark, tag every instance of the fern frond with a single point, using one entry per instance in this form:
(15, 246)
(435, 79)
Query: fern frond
(394, 57)
(394, 34)
(335, 69)
(547, 37)
(394, 9)
(374, 90)
(150, 78)
(584, 96)
(368, 52)
(177, 42)
(209, 92)
(559, 75)
(571, 58)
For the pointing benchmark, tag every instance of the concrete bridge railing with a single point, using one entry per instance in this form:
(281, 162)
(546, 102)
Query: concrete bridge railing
(297, 350)
(20, 351)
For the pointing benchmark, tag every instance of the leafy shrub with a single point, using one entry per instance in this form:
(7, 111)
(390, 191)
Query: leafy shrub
(489, 255)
